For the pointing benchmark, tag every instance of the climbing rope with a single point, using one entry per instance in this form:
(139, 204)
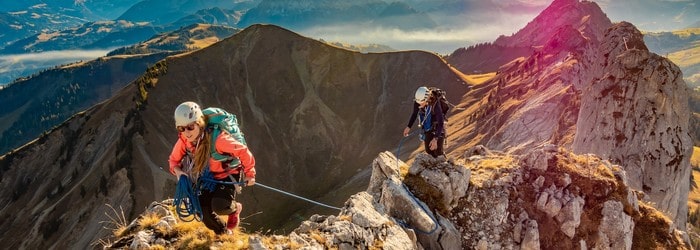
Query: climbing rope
(296, 196)
(186, 200)
(403, 224)
(398, 150)
(424, 210)
(186, 197)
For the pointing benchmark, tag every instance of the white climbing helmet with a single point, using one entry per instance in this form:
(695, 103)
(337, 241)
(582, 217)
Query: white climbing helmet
(187, 113)
(422, 94)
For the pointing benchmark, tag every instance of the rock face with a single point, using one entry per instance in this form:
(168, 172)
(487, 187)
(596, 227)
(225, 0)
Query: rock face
(592, 87)
(636, 115)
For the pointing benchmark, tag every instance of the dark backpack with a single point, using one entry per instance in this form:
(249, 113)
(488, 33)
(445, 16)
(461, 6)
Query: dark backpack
(217, 120)
(439, 95)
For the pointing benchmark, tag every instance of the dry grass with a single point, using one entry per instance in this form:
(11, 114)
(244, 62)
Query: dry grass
(586, 165)
(194, 235)
(280, 242)
(489, 168)
(148, 220)
(345, 217)
(318, 237)
(651, 230)
(496, 163)
(237, 240)
(117, 221)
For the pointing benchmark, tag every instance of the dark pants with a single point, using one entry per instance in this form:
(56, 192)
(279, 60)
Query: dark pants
(440, 142)
(221, 201)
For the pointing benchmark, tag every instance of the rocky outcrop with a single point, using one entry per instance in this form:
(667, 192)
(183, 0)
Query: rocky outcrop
(504, 201)
(387, 216)
(550, 198)
(443, 184)
(636, 115)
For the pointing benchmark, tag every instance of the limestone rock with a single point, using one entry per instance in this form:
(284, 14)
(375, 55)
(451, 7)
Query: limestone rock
(637, 115)
(616, 228)
(531, 238)
(570, 216)
(449, 180)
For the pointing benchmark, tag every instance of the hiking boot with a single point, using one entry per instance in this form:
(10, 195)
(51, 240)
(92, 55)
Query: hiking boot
(234, 218)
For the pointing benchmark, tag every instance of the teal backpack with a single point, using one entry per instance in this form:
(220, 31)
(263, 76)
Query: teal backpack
(219, 119)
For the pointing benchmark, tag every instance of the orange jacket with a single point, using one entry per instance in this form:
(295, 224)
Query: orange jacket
(226, 145)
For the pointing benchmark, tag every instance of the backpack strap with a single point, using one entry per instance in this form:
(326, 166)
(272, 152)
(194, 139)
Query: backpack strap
(229, 160)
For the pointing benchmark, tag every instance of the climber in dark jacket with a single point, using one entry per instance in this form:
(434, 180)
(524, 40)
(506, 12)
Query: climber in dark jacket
(431, 120)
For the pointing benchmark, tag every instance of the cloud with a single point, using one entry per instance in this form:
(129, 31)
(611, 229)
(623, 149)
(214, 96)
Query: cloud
(14, 66)
(463, 32)
(680, 17)
(63, 55)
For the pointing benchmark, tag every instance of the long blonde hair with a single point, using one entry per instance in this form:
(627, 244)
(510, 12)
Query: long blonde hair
(202, 152)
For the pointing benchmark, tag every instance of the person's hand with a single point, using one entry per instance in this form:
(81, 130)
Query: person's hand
(433, 144)
(179, 172)
(250, 181)
(405, 131)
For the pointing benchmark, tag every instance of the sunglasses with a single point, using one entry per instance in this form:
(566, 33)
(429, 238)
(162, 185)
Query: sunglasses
(188, 127)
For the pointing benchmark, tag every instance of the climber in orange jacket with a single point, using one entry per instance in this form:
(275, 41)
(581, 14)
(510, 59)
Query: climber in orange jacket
(191, 155)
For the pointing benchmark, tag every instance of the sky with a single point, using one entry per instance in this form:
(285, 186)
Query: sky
(486, 24)
(483, 21)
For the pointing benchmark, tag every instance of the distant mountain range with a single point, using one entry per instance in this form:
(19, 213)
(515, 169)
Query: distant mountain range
(93, 10)
(682, 47)
(304, 14)
(192, 37)
(164, 12)
(15, 25)
(92, 35)
(44, 100)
